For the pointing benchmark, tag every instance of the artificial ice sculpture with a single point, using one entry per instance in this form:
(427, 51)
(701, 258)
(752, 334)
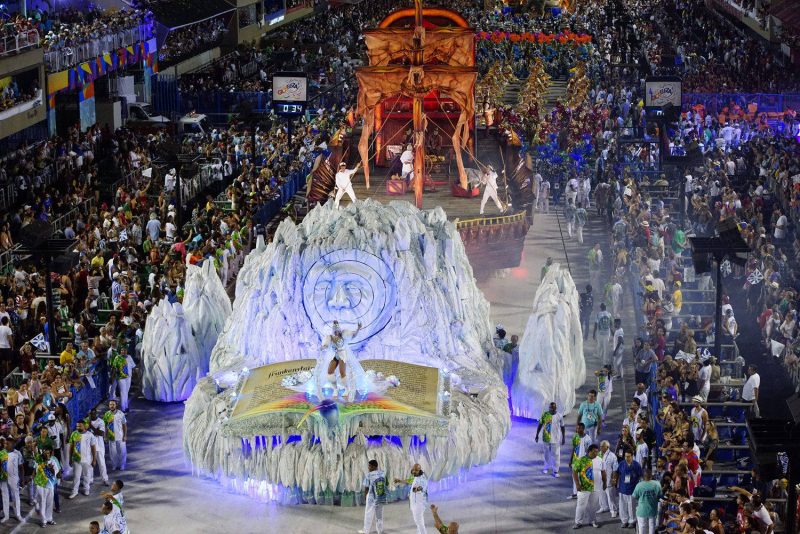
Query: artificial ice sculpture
(206, 306)
(551, 364)
(388, 287)
(171, 358)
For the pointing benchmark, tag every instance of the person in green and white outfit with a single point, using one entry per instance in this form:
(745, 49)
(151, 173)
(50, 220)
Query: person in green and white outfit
(83, 454)
(552, 439)
(586, 471)
(580, 445)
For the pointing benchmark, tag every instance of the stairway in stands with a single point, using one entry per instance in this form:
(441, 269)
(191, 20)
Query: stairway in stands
(555, 92)
(734, 453)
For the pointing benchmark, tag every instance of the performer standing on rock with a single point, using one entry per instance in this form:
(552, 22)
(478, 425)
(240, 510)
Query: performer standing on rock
(490, 180)
(344, 183)
(338, 340)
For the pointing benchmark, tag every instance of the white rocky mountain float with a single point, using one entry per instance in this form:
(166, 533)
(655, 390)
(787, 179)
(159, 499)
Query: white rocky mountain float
(551, 362)
(404, 276)
(178, 338)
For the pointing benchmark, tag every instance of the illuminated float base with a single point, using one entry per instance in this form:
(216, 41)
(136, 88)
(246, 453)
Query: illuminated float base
(258, 422)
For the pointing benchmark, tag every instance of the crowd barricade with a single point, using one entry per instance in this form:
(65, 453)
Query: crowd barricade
(87, 397)
(13, 44)
(69, 218)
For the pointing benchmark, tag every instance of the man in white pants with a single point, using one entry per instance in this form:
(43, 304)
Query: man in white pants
(647, 494)
(82, 453)
(125, 383)
(98, 429)
(608, 499)
(117, 433)
(569, 216)
(407, 159)
(46, 485)
(629, 472)
(584, 476)
(553, 424)
(344, 183)
(10, 486)
(418, 496)
(543, 200)
(490, 191)
(375, 493)
(602, 333)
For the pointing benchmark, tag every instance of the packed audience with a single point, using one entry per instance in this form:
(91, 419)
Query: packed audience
(18, 90)
(676, 436)
(190, 40)
(69, 27)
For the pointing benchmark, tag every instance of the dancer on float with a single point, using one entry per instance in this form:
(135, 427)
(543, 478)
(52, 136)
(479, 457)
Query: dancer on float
(343, 359)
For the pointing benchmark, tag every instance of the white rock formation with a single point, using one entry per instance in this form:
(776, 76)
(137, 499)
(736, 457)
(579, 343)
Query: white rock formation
(206, 306)
(402, 273)
(551, 362)
(171, 359)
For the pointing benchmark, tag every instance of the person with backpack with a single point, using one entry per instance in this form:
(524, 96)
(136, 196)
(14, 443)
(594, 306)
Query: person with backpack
(375, 489)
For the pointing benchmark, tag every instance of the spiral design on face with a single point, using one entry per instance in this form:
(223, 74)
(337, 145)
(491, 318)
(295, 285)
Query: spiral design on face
(350, 286)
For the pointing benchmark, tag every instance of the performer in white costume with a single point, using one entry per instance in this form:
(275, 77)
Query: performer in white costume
(418, 496)
(10, 486)
(407, 159)
(344, 183)
(490, 179)
(342, 356)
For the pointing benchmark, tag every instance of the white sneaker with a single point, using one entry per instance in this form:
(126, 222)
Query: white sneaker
(72, 496)
(4, 520)
(595, 525)
(544, 471)
(613, 514)
(556, 475)
(362, 531)
(602, 510)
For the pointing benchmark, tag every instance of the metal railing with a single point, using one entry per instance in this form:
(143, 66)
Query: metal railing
(59, 224)
(63, 58)
(488, 221)
(715, 103)
(16, 43)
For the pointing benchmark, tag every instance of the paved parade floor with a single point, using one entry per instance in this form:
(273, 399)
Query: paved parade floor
(510, 495)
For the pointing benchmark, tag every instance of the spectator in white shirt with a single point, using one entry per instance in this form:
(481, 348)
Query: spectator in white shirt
(751, 387)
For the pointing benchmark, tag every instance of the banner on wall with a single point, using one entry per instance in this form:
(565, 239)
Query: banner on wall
(75, 78)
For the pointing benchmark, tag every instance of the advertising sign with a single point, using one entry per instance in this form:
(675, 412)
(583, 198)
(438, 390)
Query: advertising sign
(289, 87)
(660, 92)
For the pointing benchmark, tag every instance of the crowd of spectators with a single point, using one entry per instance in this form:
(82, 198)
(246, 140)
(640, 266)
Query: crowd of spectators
(18, 90)
(190, 40)
(674, 432)
(711, 54)
(245, 69)
(68, 27)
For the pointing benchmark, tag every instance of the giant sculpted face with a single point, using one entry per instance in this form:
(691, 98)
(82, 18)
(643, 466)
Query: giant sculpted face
(350, 286)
